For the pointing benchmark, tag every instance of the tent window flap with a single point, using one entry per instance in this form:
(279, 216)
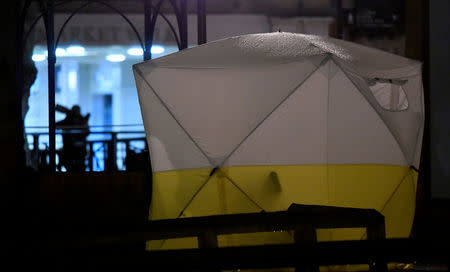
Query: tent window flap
(389, 94)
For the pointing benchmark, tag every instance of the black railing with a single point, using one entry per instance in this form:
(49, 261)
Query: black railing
(151, 12)
(102, 150)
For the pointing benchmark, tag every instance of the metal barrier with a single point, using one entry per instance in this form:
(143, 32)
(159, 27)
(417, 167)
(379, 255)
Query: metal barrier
(304, 254)
(105, 150)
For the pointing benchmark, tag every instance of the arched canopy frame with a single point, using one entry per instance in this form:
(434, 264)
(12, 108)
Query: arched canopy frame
(151, 13)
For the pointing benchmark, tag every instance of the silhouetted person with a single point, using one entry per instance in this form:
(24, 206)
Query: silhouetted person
(75, 131)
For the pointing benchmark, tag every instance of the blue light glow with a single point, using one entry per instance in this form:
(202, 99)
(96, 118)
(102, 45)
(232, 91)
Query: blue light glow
(135, 51)
(75, 50)
(59, 52)
(38, 57)
(115, 58)
(157, 49)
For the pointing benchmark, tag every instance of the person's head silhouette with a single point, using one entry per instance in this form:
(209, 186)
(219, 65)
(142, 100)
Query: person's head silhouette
(76, 110)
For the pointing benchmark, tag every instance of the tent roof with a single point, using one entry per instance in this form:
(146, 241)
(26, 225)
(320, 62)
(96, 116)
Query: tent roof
(279, 47)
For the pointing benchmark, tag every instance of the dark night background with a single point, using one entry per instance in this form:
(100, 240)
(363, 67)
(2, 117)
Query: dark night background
(423, 24)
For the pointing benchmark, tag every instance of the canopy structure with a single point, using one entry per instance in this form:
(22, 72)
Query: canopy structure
(258, 122)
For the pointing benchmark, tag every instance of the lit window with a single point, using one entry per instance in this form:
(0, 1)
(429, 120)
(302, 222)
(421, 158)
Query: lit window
(72, 80)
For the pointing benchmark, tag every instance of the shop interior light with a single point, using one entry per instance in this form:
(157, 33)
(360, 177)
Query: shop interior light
(59, 52)
(38, 57)
(135, 51)
(75, 50)
(157, 49)
(115, 57)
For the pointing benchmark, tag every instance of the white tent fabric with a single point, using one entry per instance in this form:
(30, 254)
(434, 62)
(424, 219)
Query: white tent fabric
(204, 93)
(335, 122)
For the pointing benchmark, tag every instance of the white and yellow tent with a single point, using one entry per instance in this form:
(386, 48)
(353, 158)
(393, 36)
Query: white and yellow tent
(258, 122)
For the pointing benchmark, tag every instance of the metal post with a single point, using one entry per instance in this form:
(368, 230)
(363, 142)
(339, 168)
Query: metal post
(91, 156)
(376, 231)
(35, 146)
(201, 21)
(51, 83)
(208, 240)
(148, 32)
(20, 47)
(339, 20)
(183, 29)
(113, 153)
(305, 235)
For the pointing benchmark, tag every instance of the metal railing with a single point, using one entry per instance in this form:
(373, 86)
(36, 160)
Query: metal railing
(305, 252)
(102, 148)
(151, 13)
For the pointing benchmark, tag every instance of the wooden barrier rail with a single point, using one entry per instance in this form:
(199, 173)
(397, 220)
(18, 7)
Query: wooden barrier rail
(121, 258)
(303, 220)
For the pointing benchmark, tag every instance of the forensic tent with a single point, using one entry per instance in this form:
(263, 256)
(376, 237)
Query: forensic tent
(257, 122)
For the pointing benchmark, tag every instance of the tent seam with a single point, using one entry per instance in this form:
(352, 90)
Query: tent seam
(378, 114)
(327, 134)
(420, 131)
(276, 107)
(408, 173)
(173, 116)
(298, 59)
(194, 195)
(242, 191)
(251, 132)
